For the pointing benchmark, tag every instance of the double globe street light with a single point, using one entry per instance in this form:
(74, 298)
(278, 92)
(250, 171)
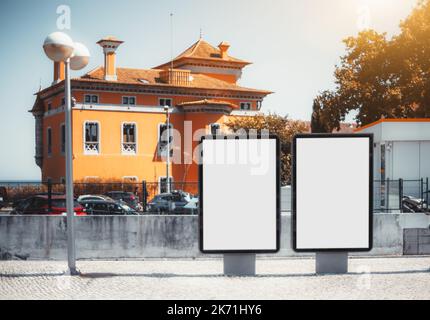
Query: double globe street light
(59, 47)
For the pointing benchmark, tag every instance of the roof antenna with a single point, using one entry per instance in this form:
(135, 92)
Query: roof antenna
(171, 42)
(201, 34)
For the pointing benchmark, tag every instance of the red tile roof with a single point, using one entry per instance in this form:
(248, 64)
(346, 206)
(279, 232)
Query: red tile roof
(208, 102)
(151, 77)
(202, 50)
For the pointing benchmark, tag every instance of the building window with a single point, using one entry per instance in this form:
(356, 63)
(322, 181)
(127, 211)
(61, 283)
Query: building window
(162, 139)
(63, 101)
(165, 102)
(91, 98)
(63, 138)
(92, 138)
(259, 104)
(162, 184)
(129, 139)
(245, 105)
(129, 100)
(49, 106)
(215, 128)
(49, 140)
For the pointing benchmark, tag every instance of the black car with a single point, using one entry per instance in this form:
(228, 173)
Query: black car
(106, 207)
(128, 197)
(3, 197)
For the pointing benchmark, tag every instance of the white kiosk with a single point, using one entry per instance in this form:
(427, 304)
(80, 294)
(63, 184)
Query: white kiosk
(239, 199)
(332, 203)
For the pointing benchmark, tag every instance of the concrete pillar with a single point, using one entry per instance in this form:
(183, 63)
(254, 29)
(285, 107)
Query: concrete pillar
(239, 264)
(331, 262)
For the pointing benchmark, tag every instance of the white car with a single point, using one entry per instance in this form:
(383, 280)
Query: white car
(87, 197)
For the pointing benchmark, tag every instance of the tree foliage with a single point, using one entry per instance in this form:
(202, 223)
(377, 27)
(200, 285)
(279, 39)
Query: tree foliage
(380, 77)
(283, 127)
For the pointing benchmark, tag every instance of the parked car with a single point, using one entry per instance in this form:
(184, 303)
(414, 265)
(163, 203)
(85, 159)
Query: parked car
(3, 197)
(87, 197)
(176, 202)
(107, 207)
(412, 204)
(39, 205)
(128, 197)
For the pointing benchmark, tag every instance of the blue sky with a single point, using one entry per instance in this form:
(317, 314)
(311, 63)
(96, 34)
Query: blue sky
(294, 45)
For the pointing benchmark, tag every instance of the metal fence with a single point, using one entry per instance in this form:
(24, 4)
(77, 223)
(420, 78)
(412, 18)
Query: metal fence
(401, 195)
(388, 195)
(142, 193)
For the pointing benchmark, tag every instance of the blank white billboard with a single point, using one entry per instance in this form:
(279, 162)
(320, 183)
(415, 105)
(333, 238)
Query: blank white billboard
(239, 195)
(332, 192)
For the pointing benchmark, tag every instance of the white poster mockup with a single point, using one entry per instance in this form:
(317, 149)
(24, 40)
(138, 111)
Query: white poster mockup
(332, 206)
(239, 190)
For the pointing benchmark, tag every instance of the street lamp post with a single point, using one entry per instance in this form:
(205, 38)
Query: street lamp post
(166, 108)
(59, 47)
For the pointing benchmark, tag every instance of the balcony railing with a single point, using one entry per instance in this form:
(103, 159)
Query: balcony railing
(129, 147)
(91, 148)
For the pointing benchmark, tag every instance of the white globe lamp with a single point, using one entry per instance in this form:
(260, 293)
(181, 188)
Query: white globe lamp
(58, 46)
(80, 57)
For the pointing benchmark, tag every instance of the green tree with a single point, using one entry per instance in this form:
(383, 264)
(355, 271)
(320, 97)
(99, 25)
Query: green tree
(380, 77)
(283, 127)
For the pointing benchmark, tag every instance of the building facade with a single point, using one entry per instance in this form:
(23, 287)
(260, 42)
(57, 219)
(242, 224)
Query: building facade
(119, 115)
(401, 148)
(401, 160)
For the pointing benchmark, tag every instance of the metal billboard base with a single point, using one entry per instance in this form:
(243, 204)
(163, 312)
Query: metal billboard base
(239, 264)
(331, 262)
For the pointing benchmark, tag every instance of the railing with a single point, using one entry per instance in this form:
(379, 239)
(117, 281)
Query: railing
(389, 196)
(138, 196)
(401, 195)
(176, 76)
(91, 147)
(129, 147)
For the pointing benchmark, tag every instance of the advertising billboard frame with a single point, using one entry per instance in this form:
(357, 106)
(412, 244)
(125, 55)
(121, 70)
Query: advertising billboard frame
(294, 191)
(278, 194)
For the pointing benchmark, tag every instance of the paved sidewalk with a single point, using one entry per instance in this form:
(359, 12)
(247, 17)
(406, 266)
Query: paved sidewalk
(369, 278)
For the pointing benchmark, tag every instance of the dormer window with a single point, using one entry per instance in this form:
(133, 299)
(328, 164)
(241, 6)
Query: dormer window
(245, 106)
(91, 98)
(165, 102)
(129, 100)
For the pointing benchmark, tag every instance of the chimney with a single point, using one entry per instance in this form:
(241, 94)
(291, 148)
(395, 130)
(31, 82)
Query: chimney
(59, 72)
(223, 47)
(109, 45)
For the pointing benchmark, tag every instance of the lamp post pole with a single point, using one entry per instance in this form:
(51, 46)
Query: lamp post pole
(168, 149)
(59, 47)
(71, 250)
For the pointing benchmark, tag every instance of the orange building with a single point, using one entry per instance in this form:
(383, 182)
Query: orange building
(118, 116)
